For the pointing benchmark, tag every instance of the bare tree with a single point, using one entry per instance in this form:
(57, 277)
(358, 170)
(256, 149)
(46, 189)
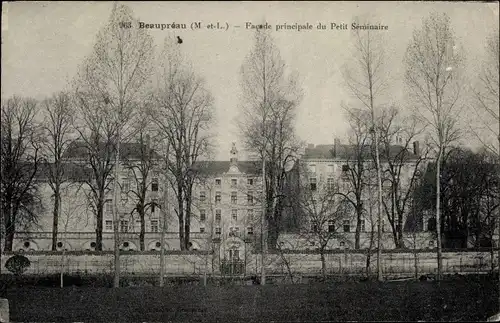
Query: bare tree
(268, 103)
(354, 172)
(371, 202)
(324, 210)
(366, 79)
(433, 67)
(402, 165)
(95, 148)
(69, 217)
(117, 73)
(183, 113)
(57, 127)
(20, 159)
(142, 164)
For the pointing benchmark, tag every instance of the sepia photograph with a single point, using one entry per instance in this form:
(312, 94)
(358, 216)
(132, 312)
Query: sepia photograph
(274, 161)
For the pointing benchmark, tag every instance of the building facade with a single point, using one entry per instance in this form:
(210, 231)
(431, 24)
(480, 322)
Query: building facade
(226, 208)
(348, 173)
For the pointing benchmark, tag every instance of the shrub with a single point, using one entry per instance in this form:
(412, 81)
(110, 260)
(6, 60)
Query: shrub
(17, 264)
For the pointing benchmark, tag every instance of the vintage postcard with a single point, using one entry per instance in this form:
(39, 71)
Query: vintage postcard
(249, 161)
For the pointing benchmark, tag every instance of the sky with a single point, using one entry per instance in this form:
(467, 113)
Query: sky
(44, 42)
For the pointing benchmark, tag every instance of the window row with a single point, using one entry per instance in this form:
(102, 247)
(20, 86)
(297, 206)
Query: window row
(218, 215)
(346, 226)
(234, 197)
(152, 206)
(124, 225)
(313, 183)
(234, 182)
(125, 185)
(232, 230)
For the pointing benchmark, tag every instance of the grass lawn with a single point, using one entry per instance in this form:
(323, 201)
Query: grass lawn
(460, 300)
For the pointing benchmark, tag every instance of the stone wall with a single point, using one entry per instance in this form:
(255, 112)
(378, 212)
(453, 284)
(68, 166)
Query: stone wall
(183, 263)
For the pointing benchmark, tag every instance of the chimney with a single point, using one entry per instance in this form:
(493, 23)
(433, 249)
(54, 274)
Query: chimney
(416, 148)
(336, 146)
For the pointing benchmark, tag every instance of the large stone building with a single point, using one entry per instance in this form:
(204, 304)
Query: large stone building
(327, 170)
(226, 211)
(225, 207)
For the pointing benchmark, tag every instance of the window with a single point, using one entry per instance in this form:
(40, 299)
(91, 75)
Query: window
(202, 196)
(250, 214)
(431, 244)
(250, 230)
(312, 168)
(154, 185)
(234, 214)
(109, 225)
(347, 226)
(218, 181)
(331, 226)
(202, 230)
(217, 197)
(250, 198)
(234, 255)
(218, 230)
(234, 197)
(250, 181)
(203, 215)
(125, 185)
(234, 182)
(342, 243)
(109, 207)
(312, 183)
(331, 169)
(345, 168)
(218, 215)
(123, 226)
(314, 226)
(154, 225)
(362, 225)
(329, 184)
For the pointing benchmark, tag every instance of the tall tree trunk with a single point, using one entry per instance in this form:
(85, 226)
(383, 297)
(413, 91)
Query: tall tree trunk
(438, 214)
(401, 243)
(180, 205)
(98, 228)
(187, 220)
(415, 259)
(273, 232)
(143, 226)
(55, 219)
(323, 262)
(357, 234)
(9, 228)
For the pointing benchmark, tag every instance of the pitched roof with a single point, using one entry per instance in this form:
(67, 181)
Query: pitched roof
(132, 150)
(72, 172)
(349, 152)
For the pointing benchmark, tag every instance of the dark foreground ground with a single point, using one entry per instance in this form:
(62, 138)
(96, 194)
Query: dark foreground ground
(471, 299)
